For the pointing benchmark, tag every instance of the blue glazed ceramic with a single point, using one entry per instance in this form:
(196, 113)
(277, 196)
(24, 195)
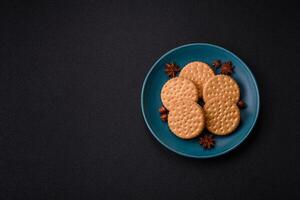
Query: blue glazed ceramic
(156, 77)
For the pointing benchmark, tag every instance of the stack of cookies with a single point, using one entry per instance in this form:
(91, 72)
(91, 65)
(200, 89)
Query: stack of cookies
(180, 95)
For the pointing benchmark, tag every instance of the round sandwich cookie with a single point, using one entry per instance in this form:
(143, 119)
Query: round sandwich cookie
(221, 86)
(186, 120)
(199, 73)
(222, 116)
(178, 89)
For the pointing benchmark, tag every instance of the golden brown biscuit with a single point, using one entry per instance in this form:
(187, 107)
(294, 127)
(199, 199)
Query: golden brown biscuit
(178, 89)
(186, 119)
(221, 86)
(199, 73)
(222, 116)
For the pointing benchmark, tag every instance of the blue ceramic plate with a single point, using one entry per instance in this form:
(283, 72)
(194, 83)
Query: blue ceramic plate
(156, 77)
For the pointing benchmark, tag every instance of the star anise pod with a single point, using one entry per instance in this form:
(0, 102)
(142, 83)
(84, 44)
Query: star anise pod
(216, 64)
(227, 68)
(207, 141)
(241, 104)
(163, 113)
(164, 117)
(171, 69)
(162, 110)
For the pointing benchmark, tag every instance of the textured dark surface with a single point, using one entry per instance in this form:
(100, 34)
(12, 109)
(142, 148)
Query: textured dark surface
(70, 119)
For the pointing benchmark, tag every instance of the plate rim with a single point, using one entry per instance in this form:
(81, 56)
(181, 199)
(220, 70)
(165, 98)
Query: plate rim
(200, 156)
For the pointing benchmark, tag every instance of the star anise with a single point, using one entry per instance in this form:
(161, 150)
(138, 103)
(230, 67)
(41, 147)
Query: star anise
(171, 69)
(164, 117)
(207, 141)
(216, 64)
(162, 110)
(163, 113)
(241, 104)
(227, 68)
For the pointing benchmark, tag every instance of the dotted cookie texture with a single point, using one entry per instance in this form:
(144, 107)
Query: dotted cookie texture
(199, 73)
(178, 89)
(186, 120)
(222, 116)
(221, 86)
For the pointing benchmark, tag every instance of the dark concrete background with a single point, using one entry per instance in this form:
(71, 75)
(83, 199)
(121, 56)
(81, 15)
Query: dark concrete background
(70, 80)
